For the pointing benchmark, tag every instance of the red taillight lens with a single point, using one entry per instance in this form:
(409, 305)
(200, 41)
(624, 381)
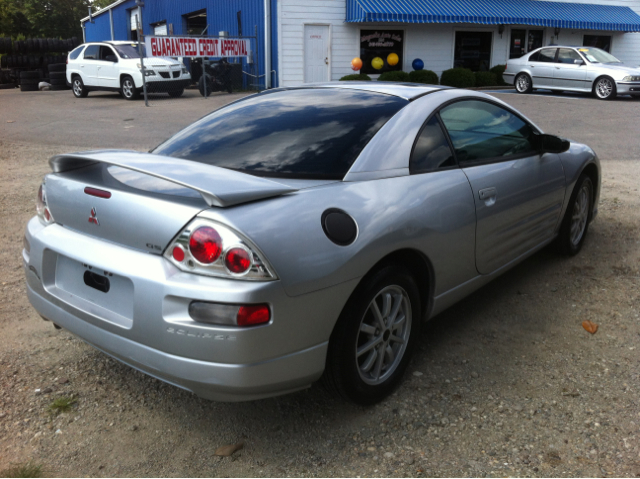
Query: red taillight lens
(237, 260)
(205, 245)
(178, 254)
(252, 315)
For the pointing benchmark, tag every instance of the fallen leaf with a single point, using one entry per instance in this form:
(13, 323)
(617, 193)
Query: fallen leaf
(229, 449)
(11, 121)
(590, 326)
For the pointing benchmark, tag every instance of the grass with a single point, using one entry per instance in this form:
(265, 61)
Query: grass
(27, 469)
(62, 404)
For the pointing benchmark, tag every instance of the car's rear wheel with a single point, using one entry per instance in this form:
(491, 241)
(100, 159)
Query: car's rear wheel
(374, 337)
(604, 88)
(575, 223)
(79, 90)
(523, 83)
(128, 88)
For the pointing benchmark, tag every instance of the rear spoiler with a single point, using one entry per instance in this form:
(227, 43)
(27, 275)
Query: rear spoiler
(218, 186)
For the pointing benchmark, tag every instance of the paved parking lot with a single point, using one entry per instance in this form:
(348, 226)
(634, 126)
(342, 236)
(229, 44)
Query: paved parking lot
(506, 383)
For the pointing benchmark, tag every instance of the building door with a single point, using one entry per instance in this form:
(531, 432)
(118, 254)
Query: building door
(316, 53)
(524, 41)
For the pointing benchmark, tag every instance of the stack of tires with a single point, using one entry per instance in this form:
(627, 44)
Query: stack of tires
(58, 76)
(29, 80)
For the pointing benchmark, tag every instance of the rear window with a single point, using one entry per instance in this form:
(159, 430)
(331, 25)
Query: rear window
(306, 133)
(76, 53)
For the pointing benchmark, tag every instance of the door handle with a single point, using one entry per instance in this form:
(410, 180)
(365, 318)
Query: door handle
(326, 60)
(488, 195)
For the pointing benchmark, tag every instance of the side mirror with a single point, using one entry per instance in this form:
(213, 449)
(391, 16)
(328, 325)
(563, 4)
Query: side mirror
(553, 144)
(578, 62)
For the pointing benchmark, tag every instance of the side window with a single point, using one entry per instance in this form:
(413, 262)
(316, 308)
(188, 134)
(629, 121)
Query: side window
(107, 54)
(92, 52)
(547, 55)
(481, 131)
(432, 150)
(568, 56)
(76, 53)
(534, 57)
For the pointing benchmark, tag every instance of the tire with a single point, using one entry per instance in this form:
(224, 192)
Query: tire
(604, 88)
(29, 75)
(29, 82)
(523, 83)
(206, 77)
(60, 82)
(3, 61)
(28, 87)
(128, 89)
(363, 379)
(176, 93)
(58, 75)
(575, 223)
(59, 87)
(77, 85)
(58, 67)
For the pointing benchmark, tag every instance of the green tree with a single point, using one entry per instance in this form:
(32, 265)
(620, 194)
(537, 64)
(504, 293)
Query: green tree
(42, 18)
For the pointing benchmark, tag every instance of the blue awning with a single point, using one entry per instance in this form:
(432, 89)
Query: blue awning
(495, 12)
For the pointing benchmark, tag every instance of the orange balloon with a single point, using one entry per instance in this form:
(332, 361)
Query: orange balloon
(356, 64)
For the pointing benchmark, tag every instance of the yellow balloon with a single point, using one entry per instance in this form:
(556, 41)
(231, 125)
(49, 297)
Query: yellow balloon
(393, 59)
(377, 63)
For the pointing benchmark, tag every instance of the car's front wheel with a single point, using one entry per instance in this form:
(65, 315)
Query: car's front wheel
(575, 223)
(374, 337)
(79, 90)
(128, 88)
(604, 88)
(523, 83)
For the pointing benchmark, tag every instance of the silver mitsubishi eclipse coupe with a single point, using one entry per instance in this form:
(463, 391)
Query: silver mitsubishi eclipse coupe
(300, 233)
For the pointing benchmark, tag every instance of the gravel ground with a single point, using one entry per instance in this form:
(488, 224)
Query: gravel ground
(506, 383)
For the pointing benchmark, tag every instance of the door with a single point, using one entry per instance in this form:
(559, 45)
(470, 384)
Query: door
(518, 43)
(316, 53)
(108, 71)
(518, 191)
(89, 65)
(570, 71)
(542, 66)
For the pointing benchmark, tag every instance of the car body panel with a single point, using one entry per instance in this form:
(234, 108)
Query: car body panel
(435, 217)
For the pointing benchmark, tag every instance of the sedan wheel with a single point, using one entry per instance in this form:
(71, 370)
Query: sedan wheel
(576, 220)
(373, 340)
(523, 83)
(605, 88)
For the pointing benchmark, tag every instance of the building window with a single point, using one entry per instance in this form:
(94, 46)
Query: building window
(599, 41)
(381, 50)
(195, 23)
(160, 29)
(473, 50)
(524, 41)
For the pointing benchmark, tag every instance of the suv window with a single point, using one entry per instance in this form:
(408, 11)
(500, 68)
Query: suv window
(304, 133)
(568, 56)
(432, 150)
(547, 55)
(107, 54)
(92, 52)
(481, 131)
(76, 53)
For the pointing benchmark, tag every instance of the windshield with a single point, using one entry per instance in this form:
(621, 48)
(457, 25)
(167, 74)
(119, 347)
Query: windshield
(595, 55)
(129, 51)
(305, 133)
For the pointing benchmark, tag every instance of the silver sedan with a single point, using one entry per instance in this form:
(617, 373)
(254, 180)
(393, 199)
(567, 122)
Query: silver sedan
(300, 234)
(579, 69)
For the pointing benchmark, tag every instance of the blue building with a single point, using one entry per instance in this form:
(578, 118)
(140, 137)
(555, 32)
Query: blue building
(236, 18)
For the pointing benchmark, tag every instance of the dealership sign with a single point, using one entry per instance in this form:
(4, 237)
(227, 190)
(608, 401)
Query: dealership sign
(164, 46)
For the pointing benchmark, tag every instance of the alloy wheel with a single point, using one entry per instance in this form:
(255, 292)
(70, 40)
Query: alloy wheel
(580, 215)
(127, 88)
(522, 83)
(604, 88)
(383, 335)
(77, 87)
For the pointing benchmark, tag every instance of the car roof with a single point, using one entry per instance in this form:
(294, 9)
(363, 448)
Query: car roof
(408, 91)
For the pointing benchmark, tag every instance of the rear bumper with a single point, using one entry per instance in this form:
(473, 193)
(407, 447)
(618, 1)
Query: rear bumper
(154, 332)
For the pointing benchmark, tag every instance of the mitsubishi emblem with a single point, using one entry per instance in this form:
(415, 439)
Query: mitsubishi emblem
(94, 217)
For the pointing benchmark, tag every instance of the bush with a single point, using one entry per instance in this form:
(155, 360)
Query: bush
(394, 76)
(356, 77)
(458, 77)
(423, 76)
(486, 79)
(499, 70)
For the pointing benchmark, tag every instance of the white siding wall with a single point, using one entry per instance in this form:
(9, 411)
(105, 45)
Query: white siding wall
(433, 43)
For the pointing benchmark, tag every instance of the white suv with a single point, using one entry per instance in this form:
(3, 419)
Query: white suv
(115, 66)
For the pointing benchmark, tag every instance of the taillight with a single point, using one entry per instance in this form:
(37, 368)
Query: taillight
(42, 209)
(253, 315)
(205, 245)
(209, 248)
